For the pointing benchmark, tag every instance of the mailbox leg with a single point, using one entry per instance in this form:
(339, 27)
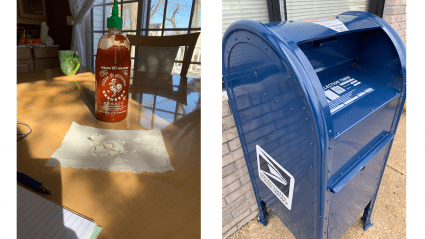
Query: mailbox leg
(263, 213)
(367, 214)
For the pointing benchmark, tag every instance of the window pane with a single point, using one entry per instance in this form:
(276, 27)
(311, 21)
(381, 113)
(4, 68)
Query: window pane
(156, 14)
(196, 19)
(112, 1)
(169, 33)
(129, 20)
(179, 57)
(178, 13)
(98, 2)
(98, 18)
(154, 33)
(133, 50)
(194, 70)
(196, 57)
(96, 37)
(108, 13)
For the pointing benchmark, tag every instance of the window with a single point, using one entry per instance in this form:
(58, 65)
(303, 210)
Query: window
(234, 10)
(147, 18)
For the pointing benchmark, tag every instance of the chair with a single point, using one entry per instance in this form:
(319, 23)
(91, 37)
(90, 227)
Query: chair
(157, 54)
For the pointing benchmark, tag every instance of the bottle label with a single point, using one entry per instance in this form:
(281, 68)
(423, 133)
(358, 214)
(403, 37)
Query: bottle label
(112, 90)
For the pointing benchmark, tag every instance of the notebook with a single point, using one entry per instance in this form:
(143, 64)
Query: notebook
(41, 218)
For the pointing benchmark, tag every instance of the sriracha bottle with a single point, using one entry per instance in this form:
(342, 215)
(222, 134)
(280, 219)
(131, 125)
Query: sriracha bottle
(113, 65)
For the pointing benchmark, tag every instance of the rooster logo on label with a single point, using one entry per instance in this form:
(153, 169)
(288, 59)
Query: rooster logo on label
(115, 88)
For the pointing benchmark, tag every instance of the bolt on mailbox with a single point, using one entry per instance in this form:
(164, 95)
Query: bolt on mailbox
(316, 104)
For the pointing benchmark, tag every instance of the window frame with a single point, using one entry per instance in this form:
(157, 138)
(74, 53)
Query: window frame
(142, 26)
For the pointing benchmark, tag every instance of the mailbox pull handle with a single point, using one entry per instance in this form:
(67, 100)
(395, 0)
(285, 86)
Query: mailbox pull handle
(360, 164)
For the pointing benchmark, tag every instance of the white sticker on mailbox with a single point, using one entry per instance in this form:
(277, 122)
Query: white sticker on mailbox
(275, 177)
(331, 23)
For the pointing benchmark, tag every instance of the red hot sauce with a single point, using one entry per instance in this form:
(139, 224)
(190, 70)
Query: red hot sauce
(113, 65)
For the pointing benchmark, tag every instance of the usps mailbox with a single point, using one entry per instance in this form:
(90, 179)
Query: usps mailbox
(316, 105)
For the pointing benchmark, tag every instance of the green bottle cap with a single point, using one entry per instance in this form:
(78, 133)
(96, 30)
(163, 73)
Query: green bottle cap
(114, 21)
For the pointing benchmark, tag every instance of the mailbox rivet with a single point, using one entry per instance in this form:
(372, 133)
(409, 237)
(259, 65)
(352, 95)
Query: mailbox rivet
(341, 174)
(304, 108)
(292, 109)
(311, 216)
(311, 228)
(326, 218)
(264, 93)
(311, 186)
(277, 100)
(330, 131)
(331, 228)
(336, 133)
(328, 189)
(306, 119)
(361, 174)
(236, 38)
(247, 38)
(311, 202)
(311, 166)
(289, 77)
(332, 214)
(255, 73)
(311, 144)
(266, 48)
(329, 172)
(330, 147)
(370, 109)
(327, 200)
(325, 232)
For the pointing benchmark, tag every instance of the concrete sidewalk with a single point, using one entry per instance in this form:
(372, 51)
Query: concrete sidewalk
(389, 214)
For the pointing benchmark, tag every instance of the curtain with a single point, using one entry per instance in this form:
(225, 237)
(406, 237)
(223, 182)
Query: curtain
(80, 10)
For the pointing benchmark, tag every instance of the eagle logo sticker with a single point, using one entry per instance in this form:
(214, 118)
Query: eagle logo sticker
(275, 177)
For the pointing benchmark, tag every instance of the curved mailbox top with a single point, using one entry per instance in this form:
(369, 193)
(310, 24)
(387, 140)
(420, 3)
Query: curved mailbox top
(285, 38)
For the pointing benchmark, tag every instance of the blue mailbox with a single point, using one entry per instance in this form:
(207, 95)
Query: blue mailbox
(316, 105)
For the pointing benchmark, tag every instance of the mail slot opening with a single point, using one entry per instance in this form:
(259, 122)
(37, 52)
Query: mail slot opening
(359, 72)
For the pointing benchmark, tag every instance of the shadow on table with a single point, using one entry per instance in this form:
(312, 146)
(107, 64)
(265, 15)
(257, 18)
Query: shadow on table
(88, 98)
(30, 224)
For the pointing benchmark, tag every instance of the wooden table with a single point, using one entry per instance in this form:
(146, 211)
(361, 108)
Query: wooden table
(124, 204)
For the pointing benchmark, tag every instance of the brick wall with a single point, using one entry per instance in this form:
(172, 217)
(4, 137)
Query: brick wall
(395, 14)
(238, 201)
